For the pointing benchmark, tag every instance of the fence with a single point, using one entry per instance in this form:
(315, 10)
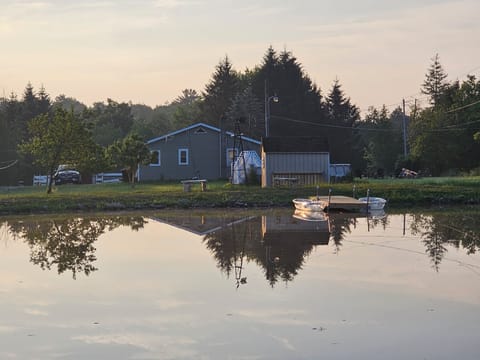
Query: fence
(40, 180)
(104, 178)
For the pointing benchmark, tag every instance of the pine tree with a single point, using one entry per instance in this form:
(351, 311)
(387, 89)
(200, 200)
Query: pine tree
(435, 85)
(219, 92)
(342, 116)
(300, 107)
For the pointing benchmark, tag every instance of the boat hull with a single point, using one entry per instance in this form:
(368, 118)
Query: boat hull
(310, 205)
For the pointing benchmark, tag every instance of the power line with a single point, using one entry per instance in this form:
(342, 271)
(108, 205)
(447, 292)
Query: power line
(329, 125)
(463, 107)
(442, 129)
(12, 162)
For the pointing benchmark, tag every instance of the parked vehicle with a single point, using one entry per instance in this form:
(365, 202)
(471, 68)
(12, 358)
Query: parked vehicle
(67, 176)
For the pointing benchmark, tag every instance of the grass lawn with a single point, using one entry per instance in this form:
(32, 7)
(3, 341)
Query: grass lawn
(100, 197)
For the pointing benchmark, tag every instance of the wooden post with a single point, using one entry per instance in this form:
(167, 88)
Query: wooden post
(329, 198)
(368, 199)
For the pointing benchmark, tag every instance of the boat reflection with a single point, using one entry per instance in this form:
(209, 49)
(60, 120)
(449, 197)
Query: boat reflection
(279, 242)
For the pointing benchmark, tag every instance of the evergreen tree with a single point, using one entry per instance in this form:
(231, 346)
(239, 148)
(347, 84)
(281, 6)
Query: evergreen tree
(342, 116)
(219, 93)
(435, 85)
(43, 103)
(300, 107)
(187, 108)
(382, 137)
(247, 109)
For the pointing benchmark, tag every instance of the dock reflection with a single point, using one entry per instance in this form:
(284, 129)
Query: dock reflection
(277, 241)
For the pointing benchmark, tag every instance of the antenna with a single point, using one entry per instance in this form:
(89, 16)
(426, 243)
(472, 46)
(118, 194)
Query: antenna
(238, 140)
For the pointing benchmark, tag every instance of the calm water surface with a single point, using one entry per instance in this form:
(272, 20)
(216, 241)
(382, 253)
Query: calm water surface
(241, 285)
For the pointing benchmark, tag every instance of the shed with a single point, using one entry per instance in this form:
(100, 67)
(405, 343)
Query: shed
(297, 160)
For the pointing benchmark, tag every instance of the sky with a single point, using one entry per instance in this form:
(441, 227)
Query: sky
(148, 51)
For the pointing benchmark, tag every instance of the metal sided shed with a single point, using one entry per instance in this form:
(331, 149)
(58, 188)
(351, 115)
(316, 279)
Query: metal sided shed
(295, 160)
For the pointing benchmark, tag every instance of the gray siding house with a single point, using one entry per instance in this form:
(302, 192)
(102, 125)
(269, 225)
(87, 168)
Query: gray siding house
(197, 151)
(299, 160)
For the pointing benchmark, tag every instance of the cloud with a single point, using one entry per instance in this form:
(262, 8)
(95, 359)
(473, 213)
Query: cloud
(34, 5)
(35, 312)
(284, 342)
(168, 4)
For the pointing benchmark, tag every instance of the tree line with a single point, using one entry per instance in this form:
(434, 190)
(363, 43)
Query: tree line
(441, 137)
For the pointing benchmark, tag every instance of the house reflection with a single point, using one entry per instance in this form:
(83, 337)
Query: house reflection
(288, 240)
(278, 242)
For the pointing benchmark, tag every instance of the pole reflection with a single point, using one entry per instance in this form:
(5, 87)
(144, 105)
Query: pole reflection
(279, 242)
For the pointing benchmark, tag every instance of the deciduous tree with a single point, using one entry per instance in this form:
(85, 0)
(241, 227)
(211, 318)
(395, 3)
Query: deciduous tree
(58, 139)
(128, 154)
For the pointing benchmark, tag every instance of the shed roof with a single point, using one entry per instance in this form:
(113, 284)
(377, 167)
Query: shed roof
(298, 144)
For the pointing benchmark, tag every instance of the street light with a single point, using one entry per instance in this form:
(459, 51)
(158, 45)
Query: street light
(267, 110)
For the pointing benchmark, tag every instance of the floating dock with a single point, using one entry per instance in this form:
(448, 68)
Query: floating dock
(347, 203)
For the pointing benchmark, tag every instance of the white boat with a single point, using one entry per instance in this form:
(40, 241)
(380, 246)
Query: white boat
(374, 203)
(310, 204)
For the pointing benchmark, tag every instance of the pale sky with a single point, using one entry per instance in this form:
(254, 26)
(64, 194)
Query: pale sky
(148, 51)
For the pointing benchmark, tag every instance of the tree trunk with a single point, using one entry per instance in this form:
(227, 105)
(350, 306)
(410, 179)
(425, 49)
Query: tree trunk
(50, 181)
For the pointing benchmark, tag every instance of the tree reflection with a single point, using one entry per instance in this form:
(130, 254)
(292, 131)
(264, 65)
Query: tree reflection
(236, 243)
(457, 229)
(68, 243)
(342, 224)
(280, 254)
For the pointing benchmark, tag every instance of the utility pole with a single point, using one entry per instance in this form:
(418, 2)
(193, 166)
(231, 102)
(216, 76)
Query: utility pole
(266, 109)
(404, 131)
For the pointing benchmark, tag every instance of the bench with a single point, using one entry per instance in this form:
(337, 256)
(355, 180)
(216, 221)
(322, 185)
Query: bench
(280, 180)
(187, 184)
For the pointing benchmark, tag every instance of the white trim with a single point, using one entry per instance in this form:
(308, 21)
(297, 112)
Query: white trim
(213, 128)
(159, 163)
(180, 151)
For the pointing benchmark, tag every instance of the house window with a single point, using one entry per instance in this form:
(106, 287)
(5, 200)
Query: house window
(231, 155)
(182, 156)
(155, 158)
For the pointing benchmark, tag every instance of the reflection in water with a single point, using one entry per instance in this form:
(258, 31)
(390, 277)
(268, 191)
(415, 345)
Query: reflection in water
(279, 242)
(67, 243)
(461, 230)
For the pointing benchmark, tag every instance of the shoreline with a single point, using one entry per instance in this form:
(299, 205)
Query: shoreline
(29, 200)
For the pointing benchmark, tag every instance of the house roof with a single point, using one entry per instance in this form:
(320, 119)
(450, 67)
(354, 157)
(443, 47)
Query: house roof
(295, 144)
(198, 125)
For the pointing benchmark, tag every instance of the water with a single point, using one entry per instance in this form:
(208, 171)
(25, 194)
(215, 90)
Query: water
(240, 285)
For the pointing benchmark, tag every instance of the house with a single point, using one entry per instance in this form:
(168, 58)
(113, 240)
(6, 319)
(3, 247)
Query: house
(298, 160)
(197, 151)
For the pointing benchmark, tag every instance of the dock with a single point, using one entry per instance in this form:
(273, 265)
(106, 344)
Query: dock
(347, 203)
